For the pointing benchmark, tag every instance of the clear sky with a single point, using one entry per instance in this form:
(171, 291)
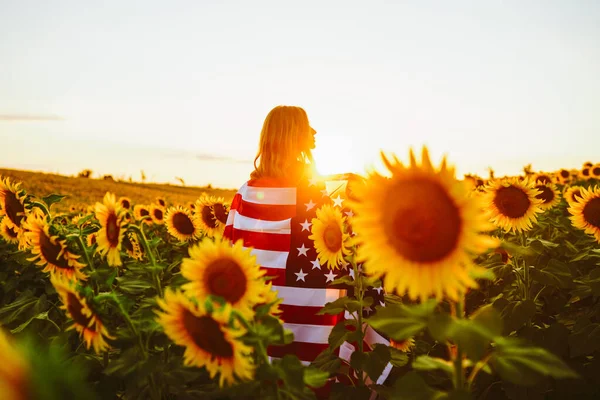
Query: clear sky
(181, 88)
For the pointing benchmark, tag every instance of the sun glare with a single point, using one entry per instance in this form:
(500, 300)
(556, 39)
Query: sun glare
(337, 155)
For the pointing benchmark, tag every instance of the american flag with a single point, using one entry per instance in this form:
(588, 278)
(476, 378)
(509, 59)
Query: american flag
(274, 219)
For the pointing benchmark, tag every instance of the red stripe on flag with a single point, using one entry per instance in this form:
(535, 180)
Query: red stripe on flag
(307, 315)
(277, 275)
(266, 212)
(304, 351)
(263, 240)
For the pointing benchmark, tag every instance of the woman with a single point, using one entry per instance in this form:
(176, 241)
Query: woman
(272, 214)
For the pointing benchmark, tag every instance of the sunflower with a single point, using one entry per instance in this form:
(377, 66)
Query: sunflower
(12, 200)
(157, 213)
(585, 173)
(270, 296)
(72, 209)
(512, 204)
(573, 194)
(85, 320)
(161, 202)
(49, 251)
(182, 224)
(548, 194)
(542, 178)
(588, 164)
(125, 202)
(595, 171)
(91, 239)
(9, 232)
(110, 215)
(418, 227)
(206, 215)
(403, 345)
(327, 231)
(14, 371)
(220, 269)
(192, 206)
(132, 246)
(221, 212)
(563, 176)
(586, 212)
(208, 338)
(140, 211)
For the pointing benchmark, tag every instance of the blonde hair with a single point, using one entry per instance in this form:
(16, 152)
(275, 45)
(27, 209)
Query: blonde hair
(284, 146)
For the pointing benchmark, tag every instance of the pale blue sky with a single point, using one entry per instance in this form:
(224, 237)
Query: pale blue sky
(181, 88)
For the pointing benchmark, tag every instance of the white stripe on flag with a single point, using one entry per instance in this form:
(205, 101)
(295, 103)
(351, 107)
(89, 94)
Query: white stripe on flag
(268, 195)
(257, 225)
(372, 337)
(309, 333)
(308, 297)
(270, 259)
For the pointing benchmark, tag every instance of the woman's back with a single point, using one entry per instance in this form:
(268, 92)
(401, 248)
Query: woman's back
(274, 218)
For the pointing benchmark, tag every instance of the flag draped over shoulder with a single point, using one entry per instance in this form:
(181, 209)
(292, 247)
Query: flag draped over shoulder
(275, 221)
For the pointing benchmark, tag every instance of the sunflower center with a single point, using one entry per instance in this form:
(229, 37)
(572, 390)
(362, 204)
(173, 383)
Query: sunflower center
(422, 231)
(208, 217)
(207, 334)
(161, 202)
(128, 244)
(544, 179)
(512, 201)
(75, 309)
(596, 171)
(112, 230)
(50, 251)
(585, 172)
(11, 232)
(547, 194)
(125, 204)
(332, 236)
(225, 278)
(13, 207)
(564, 173)
(591, 212)
(144, 212)
(158, 214)
(183, 223)
(220, 212)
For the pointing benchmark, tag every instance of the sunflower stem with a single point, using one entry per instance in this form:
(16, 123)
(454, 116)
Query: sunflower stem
(478, 367)
(130, 325)
(458, 367)
(87, 259)
(42, 206)
(155, 277)
(360, 294)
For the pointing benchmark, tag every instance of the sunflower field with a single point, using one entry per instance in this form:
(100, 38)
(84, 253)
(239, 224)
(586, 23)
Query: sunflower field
(492, 291)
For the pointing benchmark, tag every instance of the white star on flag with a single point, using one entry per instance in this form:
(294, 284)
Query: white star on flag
(302, 250)
(349, 213)
(309, 205)
(345, 264)
(305, 225)
(316, 264)
(382, 303)
(379, 289)
(300, 276)
(313, 181)
(330, 276)
(338, 201)
(325, 192)
(352, 273)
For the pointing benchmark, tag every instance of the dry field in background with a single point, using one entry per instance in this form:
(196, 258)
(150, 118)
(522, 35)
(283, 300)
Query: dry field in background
(85, 191)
